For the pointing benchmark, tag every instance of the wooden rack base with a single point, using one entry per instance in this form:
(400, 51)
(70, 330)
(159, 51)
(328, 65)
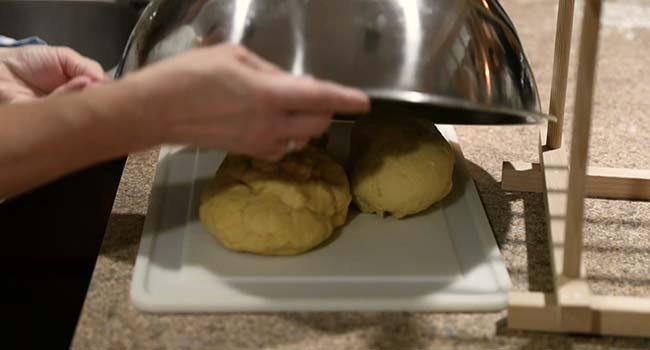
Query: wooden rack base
(610, 315)
(572, 308)
(611, 183)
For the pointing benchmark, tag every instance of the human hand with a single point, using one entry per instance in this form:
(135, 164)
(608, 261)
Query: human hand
(36, 71)
(227, 97)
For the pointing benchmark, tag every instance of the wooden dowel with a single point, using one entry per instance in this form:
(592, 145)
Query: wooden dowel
(580, 142)
(555, 184)
(563, 32)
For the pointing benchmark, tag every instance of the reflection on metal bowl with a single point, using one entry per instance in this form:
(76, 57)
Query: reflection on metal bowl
(452, 61)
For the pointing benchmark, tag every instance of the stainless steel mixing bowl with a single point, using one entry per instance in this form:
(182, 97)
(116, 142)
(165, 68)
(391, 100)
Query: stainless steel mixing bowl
(451, 61)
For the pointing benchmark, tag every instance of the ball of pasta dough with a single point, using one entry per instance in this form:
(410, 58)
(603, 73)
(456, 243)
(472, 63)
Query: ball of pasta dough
(399, 166)
(282, 208)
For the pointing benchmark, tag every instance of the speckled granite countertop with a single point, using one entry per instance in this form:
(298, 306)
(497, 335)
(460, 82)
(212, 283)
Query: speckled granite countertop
(617, 232)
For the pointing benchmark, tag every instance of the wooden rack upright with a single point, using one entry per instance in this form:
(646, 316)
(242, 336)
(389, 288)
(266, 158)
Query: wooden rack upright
(571, 307)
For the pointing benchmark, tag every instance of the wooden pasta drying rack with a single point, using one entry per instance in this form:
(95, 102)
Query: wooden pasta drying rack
(571, 307)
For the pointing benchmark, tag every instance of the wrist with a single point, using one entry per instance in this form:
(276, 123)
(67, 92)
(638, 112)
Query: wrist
(151, 106)
(122, 107)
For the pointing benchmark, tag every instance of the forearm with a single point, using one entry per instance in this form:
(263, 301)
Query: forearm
(46, 139)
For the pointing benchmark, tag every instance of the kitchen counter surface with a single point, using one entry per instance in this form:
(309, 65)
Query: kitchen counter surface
(617, 232)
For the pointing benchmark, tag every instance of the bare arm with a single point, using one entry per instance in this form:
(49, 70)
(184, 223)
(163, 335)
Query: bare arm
(223, 97)
(45, 139)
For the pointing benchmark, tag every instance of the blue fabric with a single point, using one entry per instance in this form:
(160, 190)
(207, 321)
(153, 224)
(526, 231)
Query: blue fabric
(10, 42)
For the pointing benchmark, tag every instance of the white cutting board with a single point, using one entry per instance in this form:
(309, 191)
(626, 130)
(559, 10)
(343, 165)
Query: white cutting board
(445, 259)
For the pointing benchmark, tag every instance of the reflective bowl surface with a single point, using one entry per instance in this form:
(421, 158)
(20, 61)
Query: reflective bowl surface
(451, 61)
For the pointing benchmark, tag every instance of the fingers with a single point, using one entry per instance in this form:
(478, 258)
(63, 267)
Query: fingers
(304, 125)
(75, 65)
(294, 135)
(76, 84)
(45, 68)
(272, 156)
(308, 94)
(302, 143)
(281, 149)
(256, 62)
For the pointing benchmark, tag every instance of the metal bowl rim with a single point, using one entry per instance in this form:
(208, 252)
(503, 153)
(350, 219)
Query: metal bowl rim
(425, 99)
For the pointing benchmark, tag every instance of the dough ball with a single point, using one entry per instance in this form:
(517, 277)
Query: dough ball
(282, 208)
(399, 166)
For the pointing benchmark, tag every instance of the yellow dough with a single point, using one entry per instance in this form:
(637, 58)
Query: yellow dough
(282, 208)
(399, 166)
